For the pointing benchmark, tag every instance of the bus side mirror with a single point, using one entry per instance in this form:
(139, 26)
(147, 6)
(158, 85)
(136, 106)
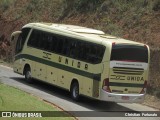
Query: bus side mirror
(15, 35)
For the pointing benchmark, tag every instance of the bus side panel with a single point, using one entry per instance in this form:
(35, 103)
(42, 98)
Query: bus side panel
(87, 86)
(17, 67)
(41, 71)
(95, 89)
(52, 75)
(64, 79)
(105, 72)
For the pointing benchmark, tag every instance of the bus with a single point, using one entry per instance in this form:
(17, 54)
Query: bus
(83, 61)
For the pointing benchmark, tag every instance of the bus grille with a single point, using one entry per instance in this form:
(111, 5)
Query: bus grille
(128, 71)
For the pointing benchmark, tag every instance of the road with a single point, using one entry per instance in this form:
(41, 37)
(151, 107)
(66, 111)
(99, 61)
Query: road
(62, 98)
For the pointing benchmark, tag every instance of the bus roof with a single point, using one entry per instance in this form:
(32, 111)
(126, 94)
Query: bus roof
(91, 34)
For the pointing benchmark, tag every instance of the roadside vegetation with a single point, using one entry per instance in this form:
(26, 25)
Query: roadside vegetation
(8, 64)
(12, 99)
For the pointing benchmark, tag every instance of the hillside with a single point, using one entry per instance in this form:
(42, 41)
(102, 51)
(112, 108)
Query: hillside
(136, 20)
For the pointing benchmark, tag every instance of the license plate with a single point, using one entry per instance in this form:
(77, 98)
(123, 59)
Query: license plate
(125, 97)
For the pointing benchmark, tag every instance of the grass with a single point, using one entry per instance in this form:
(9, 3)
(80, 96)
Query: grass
(12, 99)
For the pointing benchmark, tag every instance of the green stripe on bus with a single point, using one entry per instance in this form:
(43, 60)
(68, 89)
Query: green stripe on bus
(60, 66)
(125, 84)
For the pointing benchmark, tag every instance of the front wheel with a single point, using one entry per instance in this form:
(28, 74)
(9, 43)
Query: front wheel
(75, 91)
(28, 76)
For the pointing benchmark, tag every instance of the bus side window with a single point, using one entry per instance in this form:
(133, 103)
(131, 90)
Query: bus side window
(55, 43)
(92, 53)
(19, 44)
(96, 54)
(49, 42)
(89, 54)
(21, 40)
(81, 50)
(100, 53)
(33, 41)
(42, 37)
(59, 46)
(46, 41)
(72, 50)
(25, 32)
(66, 46)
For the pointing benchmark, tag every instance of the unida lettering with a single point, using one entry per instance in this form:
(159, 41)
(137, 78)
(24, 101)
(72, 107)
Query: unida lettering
(132, 78)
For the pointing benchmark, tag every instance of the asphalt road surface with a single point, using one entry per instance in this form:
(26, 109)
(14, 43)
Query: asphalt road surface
(89, 108)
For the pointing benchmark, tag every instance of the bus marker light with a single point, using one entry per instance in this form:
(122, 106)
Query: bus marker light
(106, 85)
(144, 88)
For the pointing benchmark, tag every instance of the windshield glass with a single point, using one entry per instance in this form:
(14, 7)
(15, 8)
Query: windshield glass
(131, 53)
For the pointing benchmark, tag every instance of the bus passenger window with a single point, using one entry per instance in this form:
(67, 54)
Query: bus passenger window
(43, 40)
(55, 43)
(19, 44)
(72, 51)
(81, 51)
(49, 42)
(94, 53)
(59, 46)
(21, 39)
(33, 41)
(65, 46)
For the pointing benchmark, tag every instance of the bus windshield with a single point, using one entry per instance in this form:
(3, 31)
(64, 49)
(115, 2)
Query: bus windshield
(130, 53)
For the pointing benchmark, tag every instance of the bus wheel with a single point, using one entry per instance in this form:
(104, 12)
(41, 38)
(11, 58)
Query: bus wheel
(28, 76)
(75, 91)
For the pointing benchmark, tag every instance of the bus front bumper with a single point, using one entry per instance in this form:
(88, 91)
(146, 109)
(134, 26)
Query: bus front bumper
(121, 98)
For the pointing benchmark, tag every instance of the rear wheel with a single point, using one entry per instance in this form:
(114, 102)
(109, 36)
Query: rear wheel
(27, 74)
(75, 91)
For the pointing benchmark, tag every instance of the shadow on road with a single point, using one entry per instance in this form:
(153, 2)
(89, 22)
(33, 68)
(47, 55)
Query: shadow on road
(92, 104)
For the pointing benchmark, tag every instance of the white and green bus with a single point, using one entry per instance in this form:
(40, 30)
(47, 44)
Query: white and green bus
(83, 61)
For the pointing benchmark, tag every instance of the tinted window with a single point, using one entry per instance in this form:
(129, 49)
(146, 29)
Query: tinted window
(66, 46)
(92, 53)
(72, 50)
(55, 42)
(85, 51)
(60, 45)
(34, 38)
(45, 41)
(21, 39)
(129, 53)
(25, 32)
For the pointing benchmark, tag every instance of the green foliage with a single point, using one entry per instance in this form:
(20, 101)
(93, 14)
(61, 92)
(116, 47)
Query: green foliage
(157, 93)
(156, 5)
(125, 5)
(5, 4)
(40, 9)
(154, 91)
(87, 5)
(35, 5)
(113, 29)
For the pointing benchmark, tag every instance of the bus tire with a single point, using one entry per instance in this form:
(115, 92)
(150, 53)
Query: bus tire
(27, 75)
(75, 91)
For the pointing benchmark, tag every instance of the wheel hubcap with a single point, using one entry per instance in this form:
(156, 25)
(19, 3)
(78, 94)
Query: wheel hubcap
(28, 75)
(75, 92)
